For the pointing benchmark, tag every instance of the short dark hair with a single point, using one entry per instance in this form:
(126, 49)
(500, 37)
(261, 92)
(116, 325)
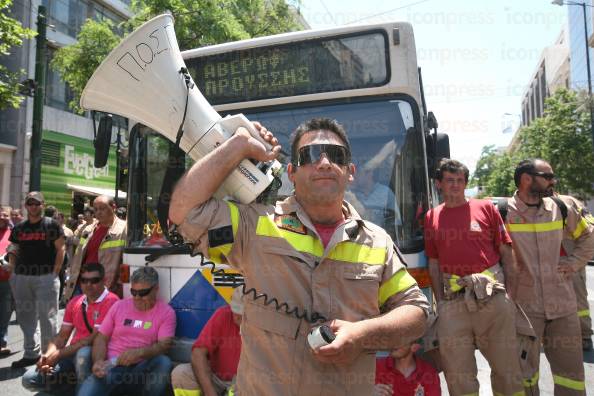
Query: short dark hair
(317, 124)
(452, 166)
(525, 166)
(50, 210)
(93, 267)
(89, 209)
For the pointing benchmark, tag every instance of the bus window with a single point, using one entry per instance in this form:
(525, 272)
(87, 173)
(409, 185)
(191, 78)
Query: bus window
(389, 187)
(150, 154)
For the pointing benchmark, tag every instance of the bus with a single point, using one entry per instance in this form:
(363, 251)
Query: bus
(366, 77)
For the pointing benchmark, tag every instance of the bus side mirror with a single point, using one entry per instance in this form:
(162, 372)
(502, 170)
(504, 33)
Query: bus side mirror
(102, 141)
(438, 148)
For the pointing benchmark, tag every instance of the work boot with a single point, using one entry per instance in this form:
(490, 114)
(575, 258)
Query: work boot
(24, 362)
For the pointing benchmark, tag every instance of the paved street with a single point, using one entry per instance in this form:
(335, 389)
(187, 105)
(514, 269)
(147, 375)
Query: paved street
(10, 380)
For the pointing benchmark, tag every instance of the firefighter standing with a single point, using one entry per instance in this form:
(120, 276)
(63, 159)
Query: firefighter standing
(579, 278)
(312, 252)
(544, 279)
(468, 250)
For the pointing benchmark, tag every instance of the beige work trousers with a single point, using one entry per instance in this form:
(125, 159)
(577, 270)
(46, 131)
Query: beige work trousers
(492, 330)
(562, 344)
(581, 295)
(184, 382)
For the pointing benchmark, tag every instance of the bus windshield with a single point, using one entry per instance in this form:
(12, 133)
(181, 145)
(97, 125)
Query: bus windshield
(387, 148)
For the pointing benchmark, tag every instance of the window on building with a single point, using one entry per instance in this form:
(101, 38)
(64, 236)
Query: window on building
(57, 93)
(69, 15)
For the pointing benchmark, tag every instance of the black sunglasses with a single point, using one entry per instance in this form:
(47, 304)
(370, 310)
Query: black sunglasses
(544, 175)
(32, 203)
(94, 280)
(311, 154)
(141, 292)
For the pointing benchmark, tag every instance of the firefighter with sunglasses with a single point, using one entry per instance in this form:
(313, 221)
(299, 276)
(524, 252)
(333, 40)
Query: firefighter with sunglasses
(543, 284)
(310, 259)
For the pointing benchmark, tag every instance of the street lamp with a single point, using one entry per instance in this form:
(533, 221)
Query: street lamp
(584, 5)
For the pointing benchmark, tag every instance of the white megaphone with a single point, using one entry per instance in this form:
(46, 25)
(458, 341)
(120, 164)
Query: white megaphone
(145, 78)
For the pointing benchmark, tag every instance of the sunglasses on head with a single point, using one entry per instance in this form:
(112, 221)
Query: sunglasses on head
(544, 175)
(32, 203)
(141, 292)
(311, 154)
(94, 280)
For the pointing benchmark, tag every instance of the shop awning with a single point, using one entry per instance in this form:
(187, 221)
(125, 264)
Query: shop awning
(96, 191)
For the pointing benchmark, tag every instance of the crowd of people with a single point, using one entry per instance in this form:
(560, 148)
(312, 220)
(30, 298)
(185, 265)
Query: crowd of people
(502, 278)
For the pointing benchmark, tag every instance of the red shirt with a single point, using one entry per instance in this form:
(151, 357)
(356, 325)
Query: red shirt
(4, 242)
(221, 338)
(424, 378)
(326, 231)
(96, 311)
(92, 254)
(465, 239)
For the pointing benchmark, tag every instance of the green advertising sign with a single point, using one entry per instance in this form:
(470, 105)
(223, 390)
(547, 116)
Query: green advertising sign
(68, 160)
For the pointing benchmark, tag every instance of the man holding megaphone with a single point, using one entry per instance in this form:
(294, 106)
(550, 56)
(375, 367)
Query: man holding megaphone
(307, 261)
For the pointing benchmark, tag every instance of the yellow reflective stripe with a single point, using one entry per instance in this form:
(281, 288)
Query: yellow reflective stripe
(234, 214)
(581, 226)
(538, 227)
(112, 244)
(583, 313)
(489, 274)
(299, 242)
(400, 281)
(569, 383)
(218, 253)
(471, 394)
(187, 392)
(532, 381)
(354, 253)
(454, 286)
(345, 251)
(81, 244)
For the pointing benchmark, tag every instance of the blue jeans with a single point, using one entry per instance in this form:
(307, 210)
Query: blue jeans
(5, 311)
(147, 378)
(68, 373)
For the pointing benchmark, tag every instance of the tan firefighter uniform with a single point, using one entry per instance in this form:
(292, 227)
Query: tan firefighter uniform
(110, 254)
(357, 276)
(477, 313)
(546, 295)
(579, 279)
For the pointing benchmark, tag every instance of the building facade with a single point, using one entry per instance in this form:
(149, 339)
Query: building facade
(577, 43)
(552, 72)
(67, 137)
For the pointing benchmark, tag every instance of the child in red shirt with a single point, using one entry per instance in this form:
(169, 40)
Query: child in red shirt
(404, 374)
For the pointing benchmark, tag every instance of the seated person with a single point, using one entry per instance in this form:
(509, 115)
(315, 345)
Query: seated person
(65, 364)
(129, 351)
(215, 354)
(405, 374)
(378, 199)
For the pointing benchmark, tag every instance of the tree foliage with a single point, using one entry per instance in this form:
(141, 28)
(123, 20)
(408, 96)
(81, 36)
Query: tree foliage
(562, 137)
(197, 23)
(12, 34)
(77, 62)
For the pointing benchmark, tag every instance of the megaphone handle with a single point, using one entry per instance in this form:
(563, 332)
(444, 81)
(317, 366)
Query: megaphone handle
(231, 122)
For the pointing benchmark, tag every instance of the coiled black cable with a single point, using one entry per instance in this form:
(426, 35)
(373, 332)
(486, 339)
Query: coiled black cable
(231, 278)
(284, 307)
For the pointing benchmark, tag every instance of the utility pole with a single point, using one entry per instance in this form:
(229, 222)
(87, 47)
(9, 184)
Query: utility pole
(38, 101)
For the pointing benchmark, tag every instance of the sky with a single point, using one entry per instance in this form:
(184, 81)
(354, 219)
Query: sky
(477, 57)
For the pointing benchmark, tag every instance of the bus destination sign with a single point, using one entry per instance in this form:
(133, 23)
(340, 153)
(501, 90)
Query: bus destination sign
(322, 65)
